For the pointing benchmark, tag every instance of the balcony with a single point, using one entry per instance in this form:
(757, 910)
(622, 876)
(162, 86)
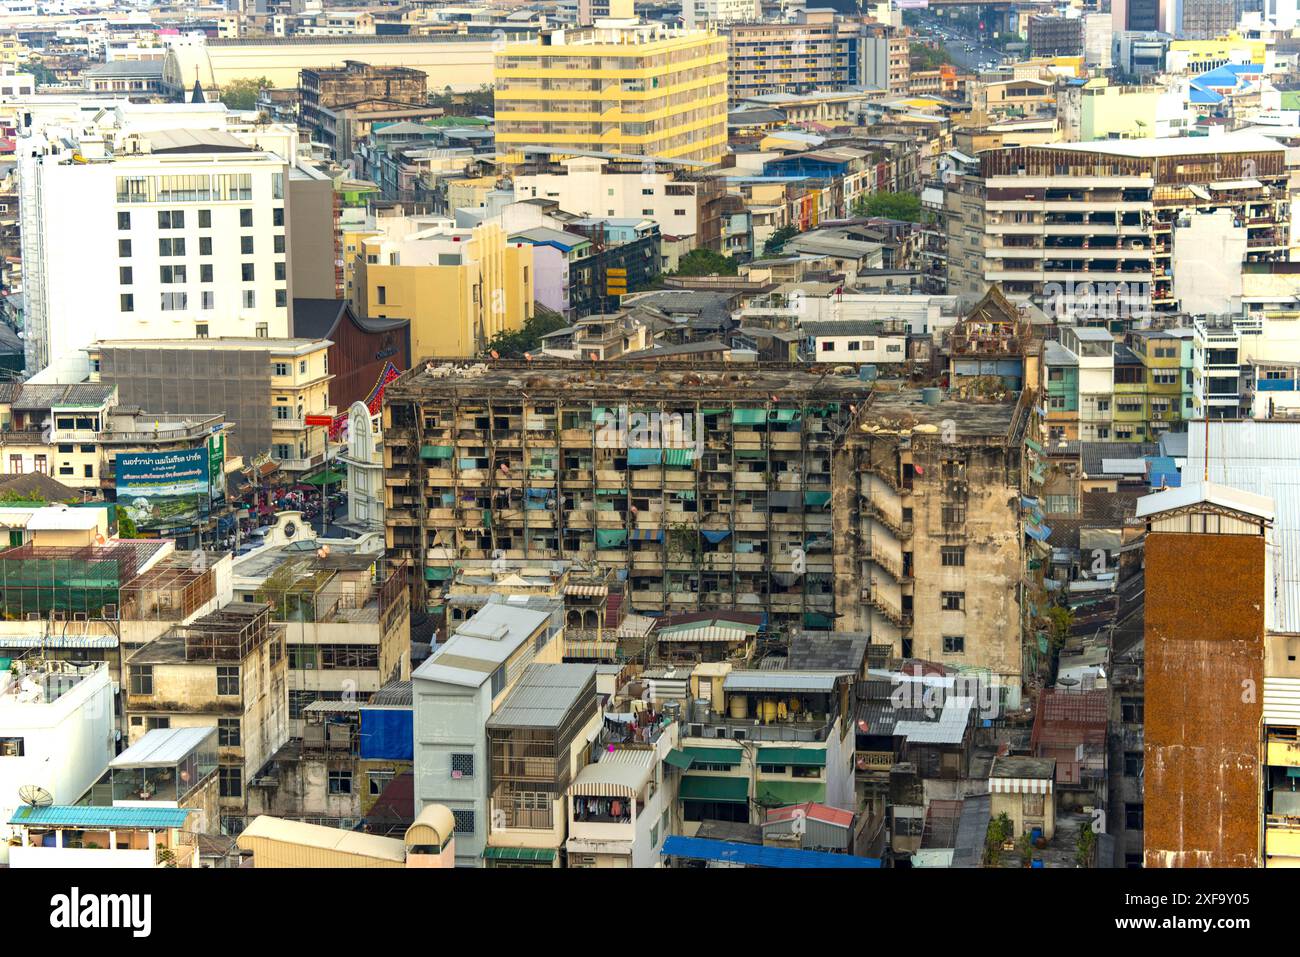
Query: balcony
(874, 760)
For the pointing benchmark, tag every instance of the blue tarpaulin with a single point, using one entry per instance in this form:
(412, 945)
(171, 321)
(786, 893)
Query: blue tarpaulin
(644, 456)
(1162, 472)
(755, 855)
(1038, 532)
(387, 734)
(715, 537)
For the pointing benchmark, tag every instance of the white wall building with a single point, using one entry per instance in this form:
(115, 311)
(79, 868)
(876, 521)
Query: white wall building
(365, 461)
(587, 189)
(56, 732)
(704, 12)
(152, 224)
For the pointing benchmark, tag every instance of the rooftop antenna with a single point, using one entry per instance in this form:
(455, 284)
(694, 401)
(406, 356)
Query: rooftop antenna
(33, 795)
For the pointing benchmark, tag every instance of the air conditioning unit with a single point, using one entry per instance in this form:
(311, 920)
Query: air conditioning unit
(695, 730)
(739, 734)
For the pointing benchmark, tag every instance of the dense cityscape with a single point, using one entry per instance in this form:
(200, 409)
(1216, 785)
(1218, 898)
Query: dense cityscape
(579, 434)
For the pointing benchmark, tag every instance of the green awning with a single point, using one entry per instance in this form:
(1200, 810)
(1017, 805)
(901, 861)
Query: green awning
(713, 411)
(679, 457)
(816, 498)
(487, 518)
(432, 574)
(436, 451)
(679, 759)
(610, 538)
(785, 415)
(749, 417)
(725, 790)
(800, 757)
(783, 793)
(535, 854)
(751, 453)
(329, 476)
(815, 619)
(727, 756)
(1034, 445)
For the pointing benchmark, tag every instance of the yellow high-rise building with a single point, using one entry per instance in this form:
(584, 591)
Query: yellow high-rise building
(620, 87)
(458, 287)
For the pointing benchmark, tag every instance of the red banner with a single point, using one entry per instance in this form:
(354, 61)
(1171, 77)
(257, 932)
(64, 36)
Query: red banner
(319, 420)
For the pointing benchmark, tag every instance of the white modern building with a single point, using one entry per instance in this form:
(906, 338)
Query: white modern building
(1095, 350)
(620, 188)
(156, 224)
(56, 731)
(699, 13)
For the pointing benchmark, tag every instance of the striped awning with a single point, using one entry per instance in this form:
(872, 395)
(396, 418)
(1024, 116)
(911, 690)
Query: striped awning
(586, 591)
(707, 633)
(1020, 785)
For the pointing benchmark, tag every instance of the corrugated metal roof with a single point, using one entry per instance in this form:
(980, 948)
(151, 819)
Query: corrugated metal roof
(752, 855)
(782, 680)
(323, 838)
(620, 773)
(544, 695)
(163, 747)
(949, 729)
(107, 817)
(1259, 456)
(479, 645)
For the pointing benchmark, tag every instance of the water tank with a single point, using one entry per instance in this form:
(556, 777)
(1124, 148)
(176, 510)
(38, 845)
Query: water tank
(739, 706)
(867, 373)
(931, 395)
(769, 711)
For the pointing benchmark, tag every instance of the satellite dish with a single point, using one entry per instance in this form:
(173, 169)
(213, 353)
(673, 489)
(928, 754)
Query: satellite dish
(34, 795)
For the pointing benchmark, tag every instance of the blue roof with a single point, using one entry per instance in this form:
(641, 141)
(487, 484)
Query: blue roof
(107, 817)
(1229, 74)
(1199, 94)
(755, 855)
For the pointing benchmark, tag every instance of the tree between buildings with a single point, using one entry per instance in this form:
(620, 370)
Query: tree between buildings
(901, 206)
(776, 242)
(513, 345)
(242, 94)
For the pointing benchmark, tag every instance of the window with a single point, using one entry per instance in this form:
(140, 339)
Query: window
(1132, 711)
(1132, 764)
(124, 275)
(277, 216)
(378, 780)
(954, 644)
(205, 245)
(205, 272)
(249, 297)
(141, 679)
(171, 247)
(462, 765)
(954, 514)
(464, 818)
(230, 782)
(498, 681)
(11, 747)
(227, 680)
(302, 367)
(281, 299)
(124, 248)
(277, 243)
(228, 733)
(171, 274)
(246, 272)
(171, 219)
(205, 219)
(123, 220)
(277, 270)
(88, 471)
(246, 245)
(201, 330)
(282, 368)
(953, 600)
(207, 300)
(382, 293)
(828, 346)
(952, 556)
(1133, 817)
(340, 782)
(262, 331)
(245, 218)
